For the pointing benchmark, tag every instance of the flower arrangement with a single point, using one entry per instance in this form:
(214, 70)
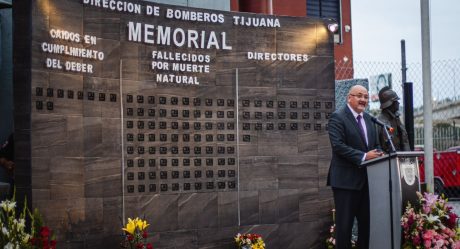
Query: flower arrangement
(430, 225)
(42, 236)
(330, 241)
(249, 241)
(13, 234)
(136, 234)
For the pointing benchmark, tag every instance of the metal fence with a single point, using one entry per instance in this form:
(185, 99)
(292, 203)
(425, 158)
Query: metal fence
(445, 91)
(445, 105)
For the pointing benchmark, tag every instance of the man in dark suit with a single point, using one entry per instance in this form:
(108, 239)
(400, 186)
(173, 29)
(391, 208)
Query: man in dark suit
(354, 140)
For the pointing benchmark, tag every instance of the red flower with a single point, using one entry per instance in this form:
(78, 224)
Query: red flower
(130, 237)
(149, 246)
(140, 246)
(44, 232)
(53, 243)
(410, 220)
(144, 234)
(452, 221)
(417, 241)
(45, 243)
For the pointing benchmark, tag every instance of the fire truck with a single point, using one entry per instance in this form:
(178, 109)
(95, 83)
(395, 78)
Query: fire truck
(446, 167)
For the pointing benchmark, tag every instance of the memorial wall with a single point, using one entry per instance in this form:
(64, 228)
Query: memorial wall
(205, 123)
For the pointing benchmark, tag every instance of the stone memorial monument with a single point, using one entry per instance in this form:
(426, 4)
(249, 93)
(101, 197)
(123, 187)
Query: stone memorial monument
(205, 123)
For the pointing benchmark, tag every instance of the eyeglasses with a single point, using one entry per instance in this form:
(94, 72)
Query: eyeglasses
(360, 96)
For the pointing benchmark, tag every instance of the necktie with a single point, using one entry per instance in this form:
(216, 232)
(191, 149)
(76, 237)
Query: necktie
(361, 129)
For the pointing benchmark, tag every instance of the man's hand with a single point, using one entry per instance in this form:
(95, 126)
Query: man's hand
(373, 154)
(7, 164)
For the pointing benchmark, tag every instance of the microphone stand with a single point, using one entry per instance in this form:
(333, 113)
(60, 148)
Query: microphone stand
(390, 183)
(389, 141)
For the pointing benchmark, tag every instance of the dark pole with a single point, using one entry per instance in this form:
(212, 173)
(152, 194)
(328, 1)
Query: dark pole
(407, 98)
(409, 112)
(403, 61)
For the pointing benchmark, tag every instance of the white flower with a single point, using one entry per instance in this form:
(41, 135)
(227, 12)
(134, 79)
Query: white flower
(432, 219)
(8, 205)
(8, 246)
(11, 205)
(21, 224)
(26, 238)
(3, 205)
(5, 231)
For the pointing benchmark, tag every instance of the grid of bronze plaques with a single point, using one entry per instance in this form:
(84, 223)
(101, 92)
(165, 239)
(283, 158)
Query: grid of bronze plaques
(45, 97)
(189, 144)
(179, 144)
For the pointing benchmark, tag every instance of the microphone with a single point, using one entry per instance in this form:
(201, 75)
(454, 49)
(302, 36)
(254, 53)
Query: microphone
(389, 128)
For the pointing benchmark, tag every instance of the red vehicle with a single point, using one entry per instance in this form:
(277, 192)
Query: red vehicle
(446, 166)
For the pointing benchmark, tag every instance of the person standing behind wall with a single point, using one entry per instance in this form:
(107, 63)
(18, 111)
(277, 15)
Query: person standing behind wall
(7, 167)
(389, 115)
(354, 140)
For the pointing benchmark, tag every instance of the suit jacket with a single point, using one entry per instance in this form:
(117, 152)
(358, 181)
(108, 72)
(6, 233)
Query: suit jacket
(348, 149)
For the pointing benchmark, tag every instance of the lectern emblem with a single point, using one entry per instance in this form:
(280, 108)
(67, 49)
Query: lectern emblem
(408, 172)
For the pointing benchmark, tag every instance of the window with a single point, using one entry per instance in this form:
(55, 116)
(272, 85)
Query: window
(324, 9)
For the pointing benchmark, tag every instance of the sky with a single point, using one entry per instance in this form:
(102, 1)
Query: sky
(379, 25)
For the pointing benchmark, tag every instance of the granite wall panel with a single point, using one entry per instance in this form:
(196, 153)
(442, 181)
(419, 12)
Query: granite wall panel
(111, 216)
(249, 207)
(269, 206)
(306, 202)
(227, 209)
(49, 136)
(257, 173)
(302, 238)
(163, 210)
(209, 238)
(198, 210)
(102, 177)
(179, 239)
(66, 178)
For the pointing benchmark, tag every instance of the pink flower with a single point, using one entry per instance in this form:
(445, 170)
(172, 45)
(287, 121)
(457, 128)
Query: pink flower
(430, 201)
(439, 243)
(430, 198)
(428, 235)
(427, 243)
(456, 245)
(426, 209)
(448, 232)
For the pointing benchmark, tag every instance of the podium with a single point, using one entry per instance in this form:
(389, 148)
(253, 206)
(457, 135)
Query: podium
(393, 182)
